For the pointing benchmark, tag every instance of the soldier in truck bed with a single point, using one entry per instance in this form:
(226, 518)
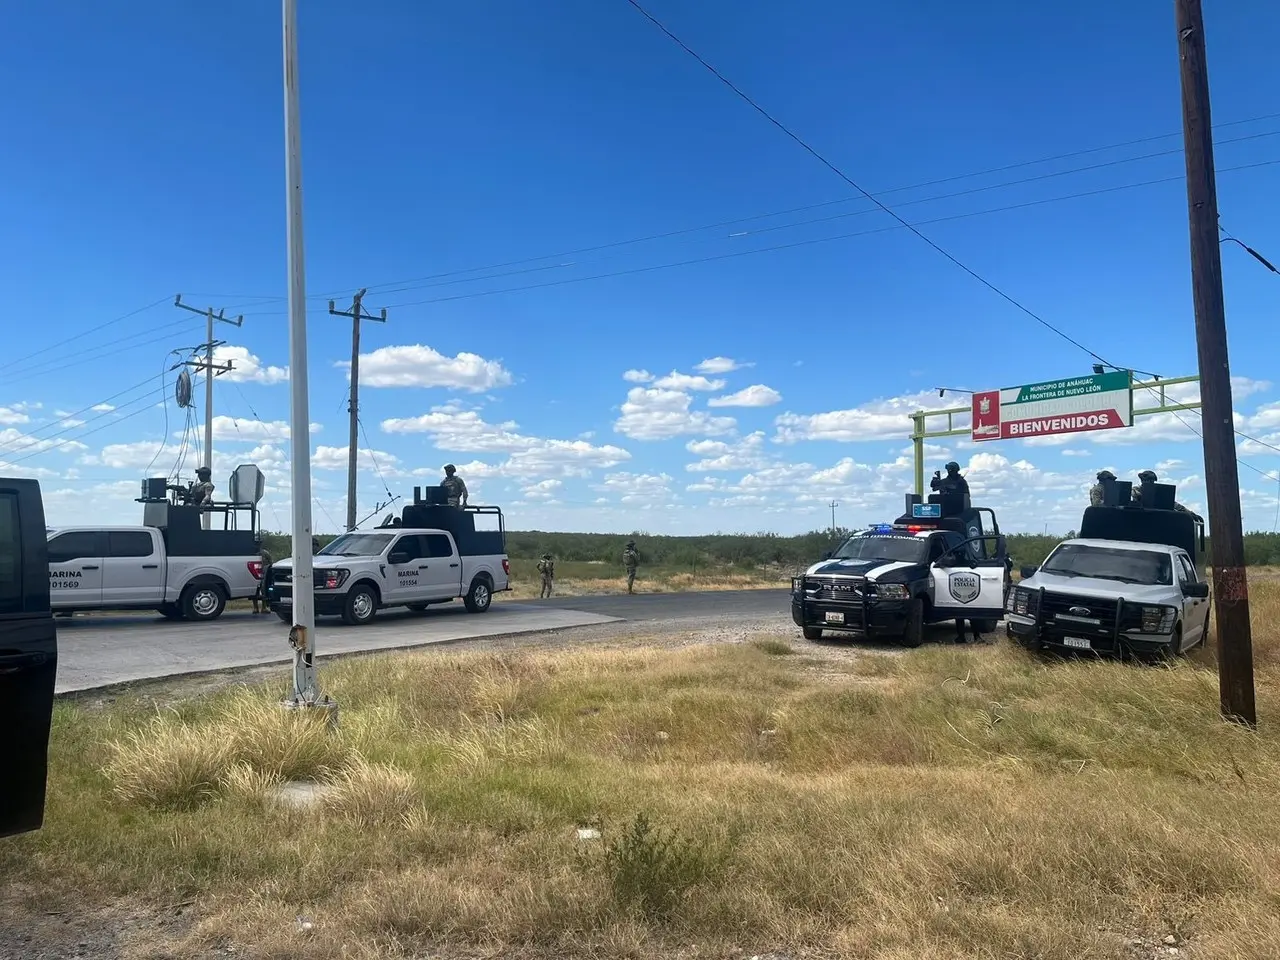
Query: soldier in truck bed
(454, 487)
(1150, 475)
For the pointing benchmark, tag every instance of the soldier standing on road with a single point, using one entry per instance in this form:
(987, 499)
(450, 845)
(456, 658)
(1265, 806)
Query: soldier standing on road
(260, 598)
(1095, 492)
(454, 487)
(631, 560)
(547, 568)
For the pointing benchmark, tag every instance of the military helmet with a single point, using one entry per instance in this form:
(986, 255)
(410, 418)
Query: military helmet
(1147, 475)
(546, 556)
(1106, 475)
(450, 468)
(203, 471)
(631, 543)
(953, 467)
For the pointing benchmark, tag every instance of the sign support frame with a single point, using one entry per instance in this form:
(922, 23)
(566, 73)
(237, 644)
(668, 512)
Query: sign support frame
(920, 431)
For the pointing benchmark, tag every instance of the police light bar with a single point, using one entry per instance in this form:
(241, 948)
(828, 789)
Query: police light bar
(882, 528)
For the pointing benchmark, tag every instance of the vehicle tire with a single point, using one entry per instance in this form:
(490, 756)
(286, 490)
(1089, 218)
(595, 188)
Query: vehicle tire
(986, 626)
(286, 616)
(1174, 650)
(479, 597)
(1204, 634)
(170, 611)
(812, 633)
(361, 605)
(203, 601)
(913, 635)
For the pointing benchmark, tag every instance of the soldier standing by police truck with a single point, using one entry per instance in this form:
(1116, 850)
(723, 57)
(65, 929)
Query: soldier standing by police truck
(454, 487)
(631, 560)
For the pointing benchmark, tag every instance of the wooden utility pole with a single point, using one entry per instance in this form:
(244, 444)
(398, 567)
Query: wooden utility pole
(211, 370)
(1230, 583)
(353, 404)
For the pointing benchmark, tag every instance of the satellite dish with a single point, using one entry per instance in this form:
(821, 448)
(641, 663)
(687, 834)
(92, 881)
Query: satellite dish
(182, 389)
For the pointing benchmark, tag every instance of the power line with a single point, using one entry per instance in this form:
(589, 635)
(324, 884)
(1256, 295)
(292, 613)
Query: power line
(34, 434)
(93, 354)
(851, 182)
(120, 319)
(812, 241)
(266, 298)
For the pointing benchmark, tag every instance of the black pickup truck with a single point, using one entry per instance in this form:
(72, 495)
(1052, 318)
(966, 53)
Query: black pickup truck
(28, 657)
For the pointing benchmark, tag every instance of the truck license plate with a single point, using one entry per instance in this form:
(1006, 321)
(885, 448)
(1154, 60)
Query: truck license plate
(1080, 643)
(834, 617)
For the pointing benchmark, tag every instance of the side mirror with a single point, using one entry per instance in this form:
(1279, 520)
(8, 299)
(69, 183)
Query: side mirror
(1028, 572)
(398, 557)
(1196, 591)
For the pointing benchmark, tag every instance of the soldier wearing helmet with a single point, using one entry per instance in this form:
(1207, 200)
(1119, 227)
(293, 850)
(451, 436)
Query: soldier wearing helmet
(1149, 476)
(953, 482)
(631, 560)
(201, 492)
(1095, 492)
(454, 487)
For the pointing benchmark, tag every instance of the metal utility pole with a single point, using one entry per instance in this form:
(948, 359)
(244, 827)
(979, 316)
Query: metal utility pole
(1230, 583)
(833, 504)
(306, 691)
(211, 370)
(353, 404)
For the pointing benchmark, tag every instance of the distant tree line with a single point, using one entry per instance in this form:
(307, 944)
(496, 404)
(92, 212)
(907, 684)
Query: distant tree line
(746, 551)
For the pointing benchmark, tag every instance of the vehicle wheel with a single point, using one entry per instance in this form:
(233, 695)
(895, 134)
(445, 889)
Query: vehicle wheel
(986, 626)
(203, 601)
(361, 606)
(812, 633)
(479, 597)
(286, 616)
(1175, 645)
(1204, 634)
(913, 636)
(170, 611)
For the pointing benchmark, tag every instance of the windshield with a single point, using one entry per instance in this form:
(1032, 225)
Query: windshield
(357, 545)
(1107, 563)
(866, 547)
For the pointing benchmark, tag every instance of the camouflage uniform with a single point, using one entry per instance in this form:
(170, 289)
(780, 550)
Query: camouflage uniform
(631, 560)
(547, 568)
(202, 490)
(454, 488)
(1136, 494)
(1095, 492)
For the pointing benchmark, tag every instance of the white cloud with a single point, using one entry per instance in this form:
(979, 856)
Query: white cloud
(745, 454)
(421, 366)
(684, 381)
(246, 367)
(637, 376)
(654, 413)
(235, 428)
(544, 490)
(1266, 417)
(13, 415)
(102, 408)
(466, 431)
(1077, 453)
(718, 365)
(880, 419)
(14, 443)
(639, 489)
(756, 395)
(335, 458)
(127, 456)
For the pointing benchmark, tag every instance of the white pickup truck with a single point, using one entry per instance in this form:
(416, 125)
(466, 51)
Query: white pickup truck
(129, 568)
(360, 573)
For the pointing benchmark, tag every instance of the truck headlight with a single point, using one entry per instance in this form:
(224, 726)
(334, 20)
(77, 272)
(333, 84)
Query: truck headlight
(331, 579)
(1158, 619)
(797, 584)
(892, 591)
(1019, 602)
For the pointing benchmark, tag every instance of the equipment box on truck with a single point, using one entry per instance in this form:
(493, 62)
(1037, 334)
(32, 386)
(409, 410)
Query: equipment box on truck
(434, 555)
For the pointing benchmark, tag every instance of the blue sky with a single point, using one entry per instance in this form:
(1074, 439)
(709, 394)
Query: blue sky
(479, 167)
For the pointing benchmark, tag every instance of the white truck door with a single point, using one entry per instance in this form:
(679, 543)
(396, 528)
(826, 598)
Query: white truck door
(404, 566)
(441, 573)
(1195, 611)
(965, 587)
(132, 568)
(75, 568)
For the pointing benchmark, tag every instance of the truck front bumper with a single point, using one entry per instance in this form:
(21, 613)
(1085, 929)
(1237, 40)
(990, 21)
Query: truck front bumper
(878, 618)
(1104, 643)
(326, 604)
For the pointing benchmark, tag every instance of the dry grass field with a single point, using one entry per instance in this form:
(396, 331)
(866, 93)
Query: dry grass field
(764, 797)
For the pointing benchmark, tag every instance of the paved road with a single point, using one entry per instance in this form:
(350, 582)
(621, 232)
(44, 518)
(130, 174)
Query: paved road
(97, 651)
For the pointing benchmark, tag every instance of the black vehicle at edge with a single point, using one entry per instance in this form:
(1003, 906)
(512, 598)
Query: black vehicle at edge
(942, 560)
(28, 657)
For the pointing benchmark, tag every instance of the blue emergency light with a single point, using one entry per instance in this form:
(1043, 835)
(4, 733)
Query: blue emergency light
(882, 528)
(926, 511)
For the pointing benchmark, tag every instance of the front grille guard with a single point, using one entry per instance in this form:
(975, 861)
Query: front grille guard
(1118, 642)
(864, 603)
